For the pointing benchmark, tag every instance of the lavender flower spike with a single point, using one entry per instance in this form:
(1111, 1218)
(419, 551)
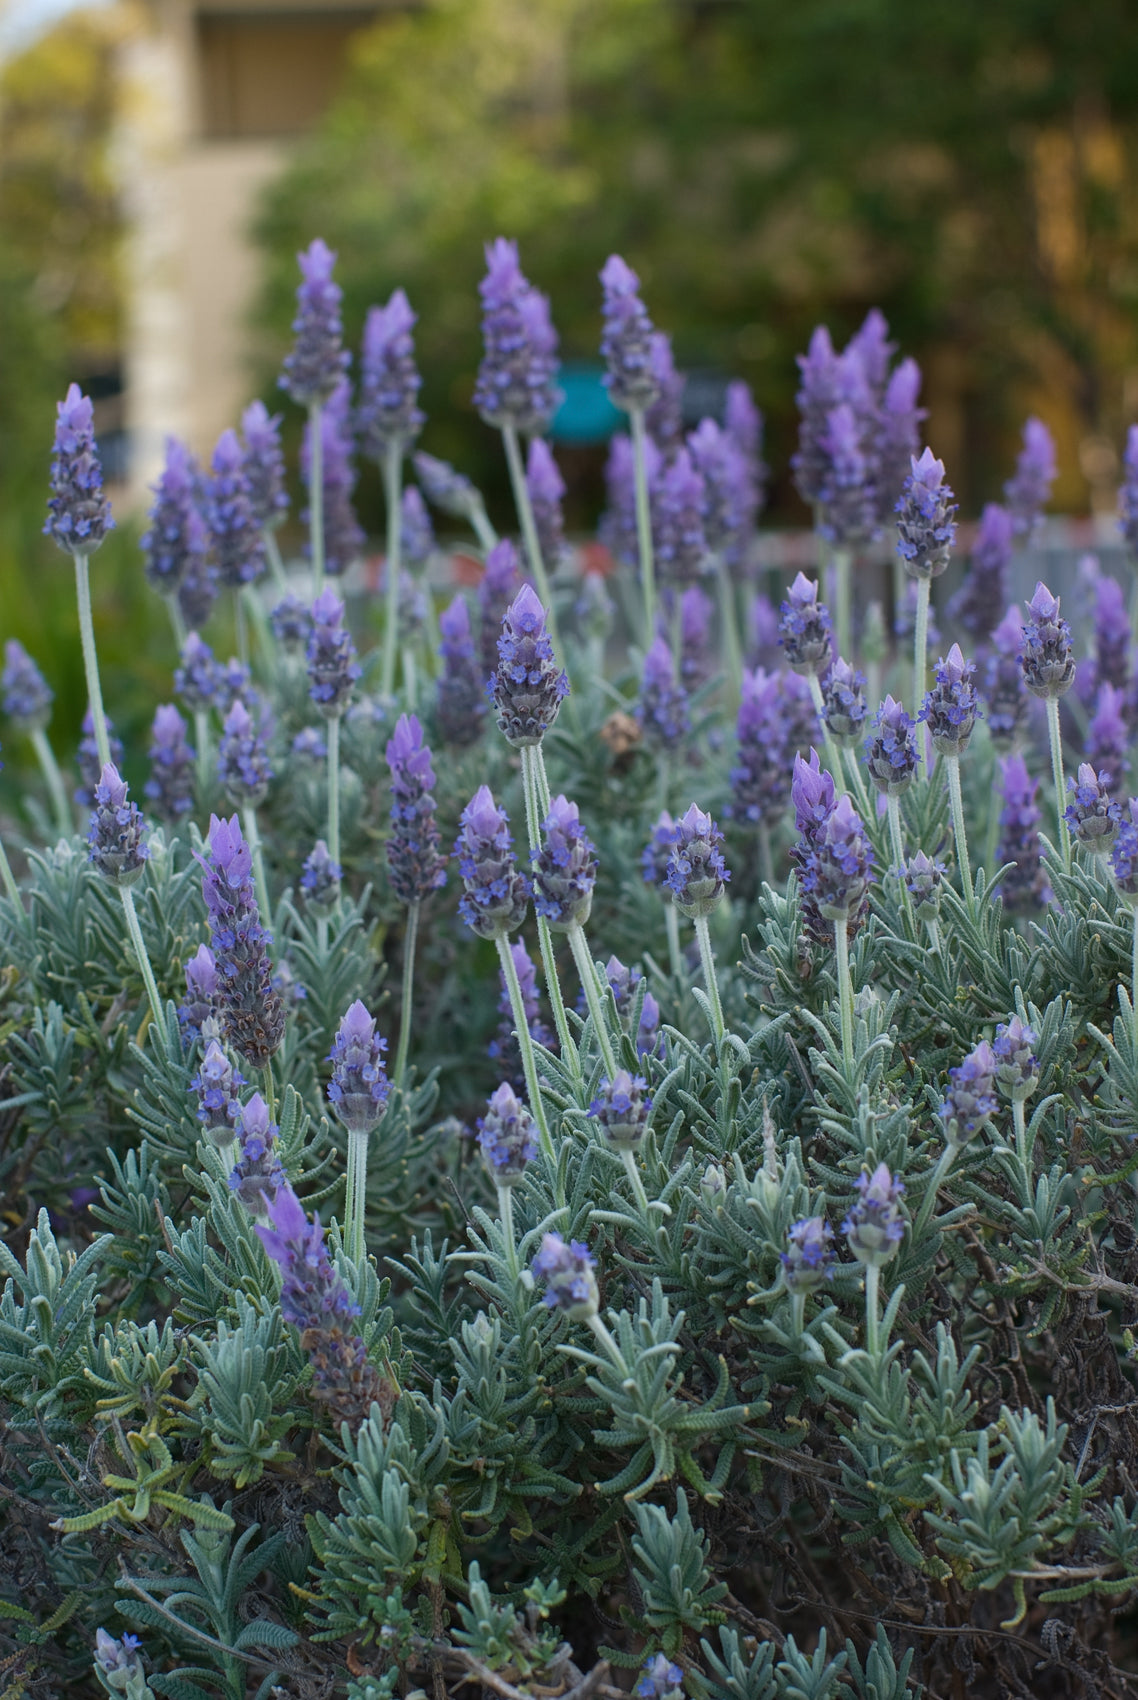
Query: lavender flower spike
(216, 1084)
(332, 666)
(258, 1175)
(527, 688)
(116, 842)
(170, 787)
(950, 709)
(663, 709)
(177, 533)
(197, 679)
(264, 465)
(546, 491)
(78, 513)
(461, 699)
(516, 386)
(1048, 659)
(239, 547)
(875, 1227)
(252, 1016)
(453, 493)
(1124, 859)
(414, 864)
(626, 341)
(1027, 492)
(804, 628)
(388, 412)
(318, 360)
(926, 519)
(677, 522)
(982, 598)
(1004, 691)
(243, 766)
(567, 1270)
(564, 868)
(843, 700)
(507, 1134)
(416, 531)
(808, 1261)
(1017, 1066)
(659, 1679)
(621, 1109)
(320, 880)
(496, 894)
(1128, 494)
(1108, 738)
(1091, 815)
(1024, 887)
(291, 620)
(120, 1667)
(359, 1087)
(697, 875)
(27, 695)
(196, 1015)
(971, 1096)
(891, 752)
(760, 781)
(840, 867)
(499, 584)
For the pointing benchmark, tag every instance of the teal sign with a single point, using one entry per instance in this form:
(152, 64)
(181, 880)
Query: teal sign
(586, 415)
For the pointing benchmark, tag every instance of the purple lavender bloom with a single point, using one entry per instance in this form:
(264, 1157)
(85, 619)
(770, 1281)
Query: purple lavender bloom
(743, 421)
(808, 1261)
(238, 546)
(891, 752)
(320, 880)
(898, 436)
(971, 1096)
(416, 531)
(760, 780)
(243, 766)
(388, 413)
(527, 687)
(1017, 1066)
(663, 708)
(763, 631)
(359, 1085)
(1124, 855)
(1024, 887)
(1047, 660)
(27, 695)
(659, 1680)
(507, 1134)
(264, 465)
(567, 1270)
(315, 1300)
(318, 359)
(871, 347)
(875, 1227)
(171, 783)
(216, 1084)
(332, 665)
(950, 708)
(657, 853)
(677, 523)
(730, 491)
(177, 539)
(118, 1660)
(89, 761)
(258, 1174)
(199, 585)
(622, 983)
(251, 1012)
(517, 380)
(626, 341)
(344, 539)
(664, 416)
(697, 875)
(234, 684)
(116, 842)
(197, 680)
(617, 530)
(564, 868)
(504, 1046)
(546, 491)
(196, 1015)
(1108, 738)
(804, 628)
(843, 703)
(813, 795)
(496, 894)
(499, 584)
(415, 867)
(445, 488)
(847, 505)
(1091, 815)
(461, 698)
(839, 869)
(291, 621)
(923, 881)
(1112, 634)
(829, 381)
(979, 603)
(697, 663)
(926, 518)
(78, 513)
(622, 1110)
(1128, 493)
(1029, 490)
(1004, 692)
(310, 747)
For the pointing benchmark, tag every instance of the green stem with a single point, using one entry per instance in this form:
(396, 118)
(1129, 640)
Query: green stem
(872, 1318)
(410, 679)
(409, 940)
(9, 880)
(587, 972)
(729, 620)
(845, 992)
(355, 1196)
(956, 803)
(392, 490)
(608, 1343)
(334, 788)
(253, 839)
(506, 1212)
(637, 1184)
(833, 759)
(864, 802)
(273, 556)
(1056, 741)
(644, 524)
(1019, 1120)
(920, 653)
(177, 624)
(711, 983)
(525, 1043)
(672, 927)
(766, 860)
(540, 778)
(142, 958)
(316, 496)
(91, 660)
(49, 767)
(270, 1087)
(531, 786)
(893, 811)
(529, 525)
(201, 733)
(483, 530)
(1134, 978)
(843, 565)
(797, 1313)
(928, 1202)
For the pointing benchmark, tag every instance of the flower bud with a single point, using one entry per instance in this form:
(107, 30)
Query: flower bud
(622, 1110)
(567, 1271)
(875, 1226)
(808, 1261)
(1017, 1066)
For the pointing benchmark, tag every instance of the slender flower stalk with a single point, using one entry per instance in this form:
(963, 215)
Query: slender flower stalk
(950, 712)
(453, 493)
(1124, 868)
(874, 1229)
(696, 879)
(414, 864)
(249, 1006)
(358, 1092)
(311, 374)
(117, 848)
(1049, 672)
(632, 383)
(79, 517)
(27, 701)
